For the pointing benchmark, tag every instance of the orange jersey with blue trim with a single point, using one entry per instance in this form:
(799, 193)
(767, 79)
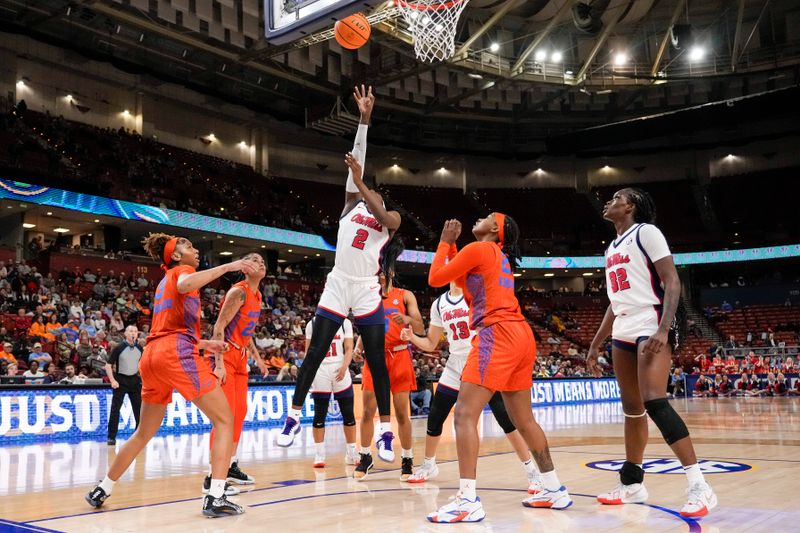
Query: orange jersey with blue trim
(394, 302)
(483, 272)
(240, 329)
(175, 313)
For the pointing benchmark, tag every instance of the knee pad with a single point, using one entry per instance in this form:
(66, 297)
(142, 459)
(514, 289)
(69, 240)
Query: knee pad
(346, 407)
(441, 406)
(667, 420)
(501, 413)
(320, 411)
(631, 473)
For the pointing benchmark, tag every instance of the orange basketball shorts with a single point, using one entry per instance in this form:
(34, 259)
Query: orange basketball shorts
(502, 357)
(174, 363)
(401, 373)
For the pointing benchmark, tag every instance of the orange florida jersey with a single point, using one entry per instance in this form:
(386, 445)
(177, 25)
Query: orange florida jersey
(394, 302)
(482, 270)
(175, 313)
(240, 329)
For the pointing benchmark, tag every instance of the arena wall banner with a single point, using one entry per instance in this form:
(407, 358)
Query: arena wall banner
(57, 413)
(87, 203)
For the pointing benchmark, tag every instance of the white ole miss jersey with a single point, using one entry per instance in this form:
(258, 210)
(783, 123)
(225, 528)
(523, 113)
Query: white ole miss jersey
(632, 283)
(336, 351)
(359, 243)
(452, 315)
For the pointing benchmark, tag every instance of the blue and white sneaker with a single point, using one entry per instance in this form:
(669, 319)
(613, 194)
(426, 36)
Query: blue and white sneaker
(290, 428)
(459, 510)
(549, 499)
(384, 445)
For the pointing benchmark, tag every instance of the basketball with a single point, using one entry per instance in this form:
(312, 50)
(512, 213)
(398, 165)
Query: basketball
(352, 31)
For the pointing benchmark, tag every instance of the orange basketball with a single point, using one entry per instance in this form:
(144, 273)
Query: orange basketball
(352, 32)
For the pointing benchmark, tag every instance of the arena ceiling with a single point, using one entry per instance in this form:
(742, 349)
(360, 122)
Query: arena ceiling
(524, 72)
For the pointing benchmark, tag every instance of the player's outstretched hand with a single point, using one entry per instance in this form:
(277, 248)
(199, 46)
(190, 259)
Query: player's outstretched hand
(365, 100)
(246, 266)
(351, 161)
(451, 231)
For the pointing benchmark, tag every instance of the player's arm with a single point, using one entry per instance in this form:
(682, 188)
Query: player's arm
(412, 308)
(233, 302)
(655, 246)
(471, 256)
(365, 100)
(390, 219)
(358, 350)
(428, 343)
(196, 280)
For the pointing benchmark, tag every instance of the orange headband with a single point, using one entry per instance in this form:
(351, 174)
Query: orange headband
(500, 218)
(168, 251)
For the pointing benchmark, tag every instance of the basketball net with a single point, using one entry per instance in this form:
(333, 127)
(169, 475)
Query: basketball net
(433, 26)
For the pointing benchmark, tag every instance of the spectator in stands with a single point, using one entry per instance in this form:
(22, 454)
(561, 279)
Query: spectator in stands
(726, 307)
(788, 366)
(83, 347)
(51, 373)
(64, 347)
(731, 366)
(38, 330)
(33, 371)
(703, 362)
(703, 387)
(53, 326)
(718, 365)
(89, 276)
(7, 353)
(12, 369)
(22, 323)
(116, 322)
(39, 356)
(731, 343)
(70, 376)
(771, 342)
(421, 398)
(677, 382)
(88, 327)
(76, 310)
(288, 373)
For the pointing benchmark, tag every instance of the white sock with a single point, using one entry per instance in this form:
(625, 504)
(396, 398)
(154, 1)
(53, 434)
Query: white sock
(365, 450)
(351, 447)
(107, 485)
(217, 489)
(694, 474)
(320, 447)
(294, 413)
(430, 461)
(467, 489)
(384, 427)
(550, 480)
(407, 453)
(530, 466)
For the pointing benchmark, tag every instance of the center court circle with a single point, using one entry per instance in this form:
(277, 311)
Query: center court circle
(673, 466)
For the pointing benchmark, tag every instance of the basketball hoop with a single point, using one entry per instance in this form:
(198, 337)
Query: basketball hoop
(433, 26)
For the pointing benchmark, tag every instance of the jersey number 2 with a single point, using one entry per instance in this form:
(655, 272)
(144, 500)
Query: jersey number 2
(619, 280)
(360, 238)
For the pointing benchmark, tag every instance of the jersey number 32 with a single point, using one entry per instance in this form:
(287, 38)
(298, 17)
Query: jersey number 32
(619, 280)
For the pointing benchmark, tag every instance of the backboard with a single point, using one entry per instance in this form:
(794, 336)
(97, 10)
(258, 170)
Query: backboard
(289, 20)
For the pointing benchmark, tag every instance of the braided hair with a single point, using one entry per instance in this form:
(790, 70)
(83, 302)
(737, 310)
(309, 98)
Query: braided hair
(645, 206)
(511, 242)
(389, 256)
(154, 245)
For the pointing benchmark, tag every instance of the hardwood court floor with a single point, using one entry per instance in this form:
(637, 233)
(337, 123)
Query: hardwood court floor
(43, 485)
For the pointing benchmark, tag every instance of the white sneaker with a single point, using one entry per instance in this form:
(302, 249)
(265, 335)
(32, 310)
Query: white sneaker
(384, 445)
(351, 457)
(534, 482)
(550, 499)
(635, 493)
(701, 500)
(459, 510)
(424, 473)
(290, 428)
(319, 461)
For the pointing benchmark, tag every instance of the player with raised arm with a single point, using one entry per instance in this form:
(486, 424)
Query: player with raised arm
(238, 317)
(501, 359)
(644, 290)
(450, 315)
(365, 226)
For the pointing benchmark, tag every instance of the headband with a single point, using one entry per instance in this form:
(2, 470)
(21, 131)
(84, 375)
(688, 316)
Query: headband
(500, 218)
(168, 251)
